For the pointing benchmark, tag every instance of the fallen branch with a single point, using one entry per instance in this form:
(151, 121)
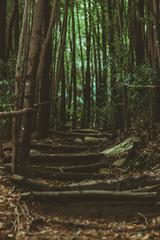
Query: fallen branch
(92, 139)
(85, 130)
(50, 148)
(62, 159)
(137, 183)
(88, 168)
(94, 195)
(60, 148)
(141, 183)
(66, 158)
(80, 134)
(17, 113)
(38, 184)
(35, 184)
(69, 176)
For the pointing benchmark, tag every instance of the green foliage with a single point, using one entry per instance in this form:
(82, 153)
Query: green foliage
(141, 75)
(140, 93)
(7, 73)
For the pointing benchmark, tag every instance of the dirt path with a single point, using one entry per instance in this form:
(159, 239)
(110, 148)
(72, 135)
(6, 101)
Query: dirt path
(68, 220)
(39, 221)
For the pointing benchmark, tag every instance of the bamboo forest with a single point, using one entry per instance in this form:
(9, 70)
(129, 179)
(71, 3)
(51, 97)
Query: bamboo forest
(79, 119)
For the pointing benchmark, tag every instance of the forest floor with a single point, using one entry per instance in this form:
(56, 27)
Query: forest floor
(29, 219)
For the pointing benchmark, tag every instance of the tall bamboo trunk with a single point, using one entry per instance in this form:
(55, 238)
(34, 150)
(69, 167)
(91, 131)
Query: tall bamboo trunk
(22, 156)
(43, 74)
(3, 16)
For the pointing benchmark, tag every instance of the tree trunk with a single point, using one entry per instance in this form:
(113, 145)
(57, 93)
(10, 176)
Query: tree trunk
(60, 74)
(73, 71)
(43, 74)
(18, 80)
(26, 127)
(3, 10)
(87, 85)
